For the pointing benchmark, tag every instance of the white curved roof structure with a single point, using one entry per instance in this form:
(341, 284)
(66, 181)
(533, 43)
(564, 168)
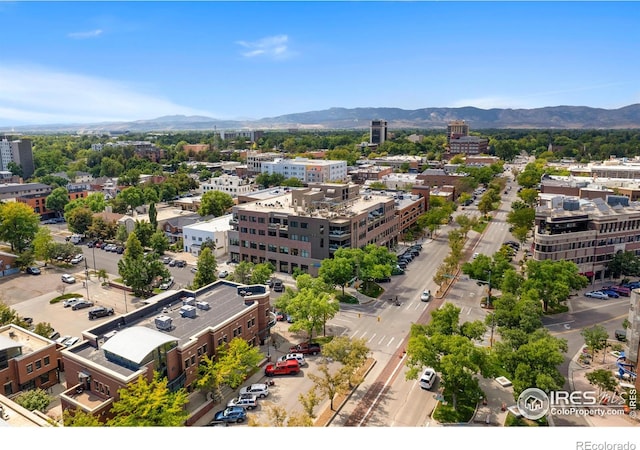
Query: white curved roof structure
(135, 343)
(6, 343)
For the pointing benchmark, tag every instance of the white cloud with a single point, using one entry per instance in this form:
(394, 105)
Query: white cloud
(85, 34)
(32, 94)
(274, 47)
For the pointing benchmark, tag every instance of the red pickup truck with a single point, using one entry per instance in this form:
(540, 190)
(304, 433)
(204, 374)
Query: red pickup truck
(289, 367)
(306, 348)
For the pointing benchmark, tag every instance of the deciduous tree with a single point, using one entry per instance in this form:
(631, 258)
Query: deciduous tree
(215, 203)
(207, 266)
(18, 225)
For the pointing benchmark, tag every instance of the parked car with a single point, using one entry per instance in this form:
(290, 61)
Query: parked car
(425, 296)
(33, 270)
(71, 341)
(62, 340)
(100, 311)
(402, 265)
(166, 260)
(76, 259)
(294, 356)
(172, 263)
(81, 304)
(280, 316)
(610, 293)
(245, 401)
(223, 274)
(620, 290)
(621, 335)
(288, 367)
(71, 301)
(278, 285)
(382, 280)
(54, 335)
(306, 348)
(596, 294)
(428, 378)
(66, 278)
(120, 250)
(180, 263)
(167, 284)
(260, 390)
(231, 414)
(397, 270)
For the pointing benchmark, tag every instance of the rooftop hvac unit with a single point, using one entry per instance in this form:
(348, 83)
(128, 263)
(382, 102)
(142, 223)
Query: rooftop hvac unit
(188, 311)
(163, 323)
(202, 305)
(189, 301)
(613, 200)
(556, 202)
(571, 204)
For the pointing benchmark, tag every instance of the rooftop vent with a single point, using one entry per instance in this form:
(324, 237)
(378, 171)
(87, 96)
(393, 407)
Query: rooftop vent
(613, 200)
(188, 311)
(571, 204)
(163, 323)
(202, 305)
(189, 301)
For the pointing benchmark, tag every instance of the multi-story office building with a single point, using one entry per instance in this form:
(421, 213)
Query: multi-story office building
(251, 135)
(456, 130)
(229, 184)
(256, 159)
(19, 152)
(308, 170)
(303, 226)
(15, 190)
(27, 360)
(468, 145)
(587, 232)
(215, 230)
(378, 132)
(170, 335)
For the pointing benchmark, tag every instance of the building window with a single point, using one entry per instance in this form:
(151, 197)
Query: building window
(29, 368)
(199, 351)
(46, 361)
(193, 359)
(38, 364)
(304, 253)
(304, 225)
(204, 349)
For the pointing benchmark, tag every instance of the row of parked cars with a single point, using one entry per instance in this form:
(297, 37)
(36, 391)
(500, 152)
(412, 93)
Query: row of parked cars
(613, 291)
(408, 255)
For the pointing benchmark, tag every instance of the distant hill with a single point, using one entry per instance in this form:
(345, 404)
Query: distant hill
(554, 117)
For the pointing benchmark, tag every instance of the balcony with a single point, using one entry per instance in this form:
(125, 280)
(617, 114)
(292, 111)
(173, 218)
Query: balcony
(233, 221)
(85, 399)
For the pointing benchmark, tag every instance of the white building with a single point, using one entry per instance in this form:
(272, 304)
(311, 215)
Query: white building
(308, 170)
(5, 154)
(217, 230)
(229, 184)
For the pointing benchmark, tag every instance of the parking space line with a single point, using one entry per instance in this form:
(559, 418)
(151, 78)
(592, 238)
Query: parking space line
(382, 339)
(391, 341)
(354, 334)
(363, 334)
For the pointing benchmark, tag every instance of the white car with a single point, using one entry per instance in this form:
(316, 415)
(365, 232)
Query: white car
(167, 284)
(66, 278)
(246, 401)
(71, 301)
(76, 259)
(260, 390)
(297, 356)
(425, 296)
(223, 274)
(427, 378)
(597, 294)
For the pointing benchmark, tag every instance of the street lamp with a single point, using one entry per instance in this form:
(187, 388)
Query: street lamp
(86, 273)
(93, 247)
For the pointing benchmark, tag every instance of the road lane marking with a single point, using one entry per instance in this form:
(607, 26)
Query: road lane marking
(371, 338)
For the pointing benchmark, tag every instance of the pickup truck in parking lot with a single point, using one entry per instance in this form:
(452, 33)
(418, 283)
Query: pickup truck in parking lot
(306, 348)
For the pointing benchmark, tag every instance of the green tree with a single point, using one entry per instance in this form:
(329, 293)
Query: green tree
(79, 418)
(159, 242)
(242, 272)
(311, 310)
(603, 379)
(553, 280)
(95, 202)
(230, 367)
(43, 244)
(337, 271)
(351, 353)
(18, 225)
(153, 216)
(330, 383)
(15, 169)
(43, 329)
(149, 404)
(121, 233)
(522, 218)
(79, 220)
(143, 230)
(624, 263)
(132, 197)
(34, 400)
(261, 273)
(57, 200)
(9, 315)
(215, 203)
(138, 270)
(595, 338)
(207, 266)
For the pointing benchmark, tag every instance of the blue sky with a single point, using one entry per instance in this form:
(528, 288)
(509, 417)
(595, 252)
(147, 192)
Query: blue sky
(101, 61)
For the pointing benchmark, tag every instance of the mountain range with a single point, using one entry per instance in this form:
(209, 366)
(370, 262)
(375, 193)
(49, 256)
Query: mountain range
(553, 117)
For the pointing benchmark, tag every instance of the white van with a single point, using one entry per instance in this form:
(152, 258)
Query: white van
(427, 378)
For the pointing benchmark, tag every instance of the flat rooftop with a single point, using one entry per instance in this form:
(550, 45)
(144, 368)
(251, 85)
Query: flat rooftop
(30, 342)
(224, 302)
